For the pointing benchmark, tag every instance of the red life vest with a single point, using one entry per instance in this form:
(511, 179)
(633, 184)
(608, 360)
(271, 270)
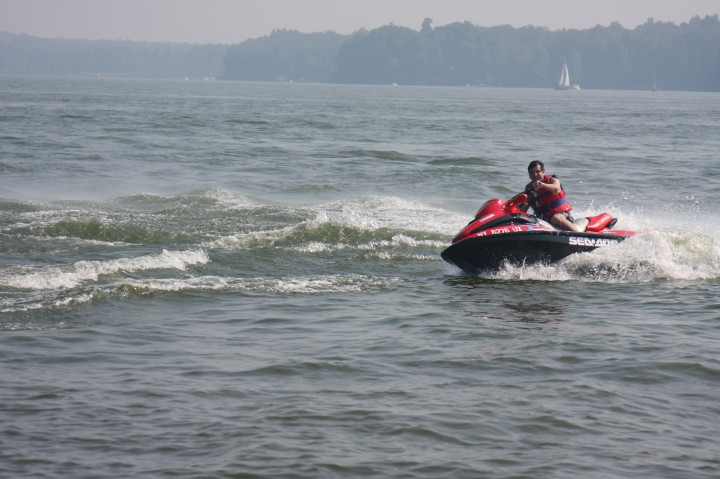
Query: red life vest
(546, 204)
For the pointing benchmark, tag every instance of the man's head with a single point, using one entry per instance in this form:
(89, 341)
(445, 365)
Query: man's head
(536, 170)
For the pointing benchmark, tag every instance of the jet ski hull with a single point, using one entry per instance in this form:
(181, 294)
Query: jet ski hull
(502, 233)
(491, 252)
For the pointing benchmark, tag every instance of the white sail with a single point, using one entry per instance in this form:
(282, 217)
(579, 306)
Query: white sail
(564, 78)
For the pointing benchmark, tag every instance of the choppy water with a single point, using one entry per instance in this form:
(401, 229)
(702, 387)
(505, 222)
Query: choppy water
(223, 280)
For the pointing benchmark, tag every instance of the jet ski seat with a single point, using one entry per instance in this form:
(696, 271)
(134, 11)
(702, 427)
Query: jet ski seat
(600, 222)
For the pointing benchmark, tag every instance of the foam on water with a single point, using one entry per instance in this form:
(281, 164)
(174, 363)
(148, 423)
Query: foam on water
(312, 284)
(362, 223)
(649, 257)
(334, 283)
(250, 240)
(57, 277)
(384, 228)
(219, 198)
(397, 241)
(375, 212)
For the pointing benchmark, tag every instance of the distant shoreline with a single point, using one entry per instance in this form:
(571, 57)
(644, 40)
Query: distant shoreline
(656, 55)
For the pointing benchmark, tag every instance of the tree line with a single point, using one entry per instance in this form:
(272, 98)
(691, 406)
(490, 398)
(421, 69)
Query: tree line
(673, 57)
(29, 55)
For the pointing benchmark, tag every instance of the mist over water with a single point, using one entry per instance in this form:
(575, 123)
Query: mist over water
(207, 279)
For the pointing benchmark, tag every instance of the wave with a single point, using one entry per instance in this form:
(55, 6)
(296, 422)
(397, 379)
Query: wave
(362, 223)
(396, 241)
(65, 277)
(136, 219)
(464, 162)
(381, 228)
(313, 284)
(388, 155)
(203, 198)
(44, 300)
(143, 218)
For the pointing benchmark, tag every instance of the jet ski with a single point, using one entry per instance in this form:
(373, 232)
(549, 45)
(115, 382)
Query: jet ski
(502, 233)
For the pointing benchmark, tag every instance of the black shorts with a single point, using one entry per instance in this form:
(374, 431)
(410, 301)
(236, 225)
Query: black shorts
(566, 214)
(569, 217)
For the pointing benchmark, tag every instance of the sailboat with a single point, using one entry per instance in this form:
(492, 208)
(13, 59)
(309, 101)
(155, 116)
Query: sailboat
(564, 83)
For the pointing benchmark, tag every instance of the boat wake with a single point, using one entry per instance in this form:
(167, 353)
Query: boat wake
(368, 225)
(72, 254)
(211, 240)
(654, 256)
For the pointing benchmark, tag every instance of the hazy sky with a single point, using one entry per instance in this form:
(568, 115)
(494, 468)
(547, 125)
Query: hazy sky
(232, 21)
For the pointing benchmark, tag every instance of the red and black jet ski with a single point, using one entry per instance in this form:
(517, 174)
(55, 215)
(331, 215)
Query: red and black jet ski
(501, 233)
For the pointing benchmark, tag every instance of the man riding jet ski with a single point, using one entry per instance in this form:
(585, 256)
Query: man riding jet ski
(503, 232)
(546, 196)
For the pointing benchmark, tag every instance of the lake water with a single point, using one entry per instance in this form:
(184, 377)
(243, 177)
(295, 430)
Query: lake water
(243, 280)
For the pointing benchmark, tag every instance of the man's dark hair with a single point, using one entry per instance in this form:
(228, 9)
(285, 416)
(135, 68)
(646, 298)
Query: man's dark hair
(535, 163)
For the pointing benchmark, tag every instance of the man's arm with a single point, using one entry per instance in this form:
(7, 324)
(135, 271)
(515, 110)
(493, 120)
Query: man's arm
(552, 187)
